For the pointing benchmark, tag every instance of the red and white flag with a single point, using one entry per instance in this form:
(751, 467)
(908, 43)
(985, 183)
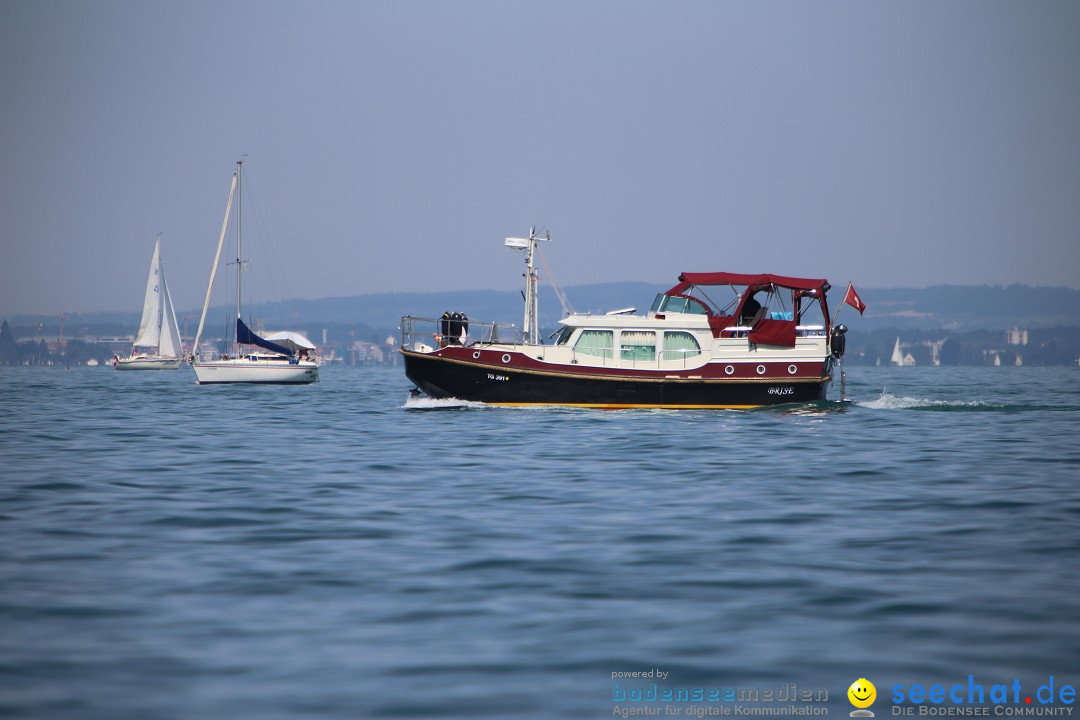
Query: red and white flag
(852, 298)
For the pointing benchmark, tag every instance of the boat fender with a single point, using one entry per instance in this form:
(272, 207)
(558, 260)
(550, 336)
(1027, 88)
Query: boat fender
(839, 342)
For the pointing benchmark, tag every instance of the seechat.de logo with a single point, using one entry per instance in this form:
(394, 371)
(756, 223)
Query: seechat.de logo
(862, 694)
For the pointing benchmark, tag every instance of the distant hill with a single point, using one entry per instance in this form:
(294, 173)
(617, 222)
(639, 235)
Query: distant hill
(961, 307)
(380, 310)
(948, 307)
(497, 306)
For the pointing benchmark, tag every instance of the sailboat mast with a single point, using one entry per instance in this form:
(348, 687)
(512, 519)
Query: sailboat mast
(239, 217)
(161, 283)
(214, 267)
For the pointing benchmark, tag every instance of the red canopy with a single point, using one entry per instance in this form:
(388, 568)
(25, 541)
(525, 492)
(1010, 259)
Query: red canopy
(779, 332)
(726, 278)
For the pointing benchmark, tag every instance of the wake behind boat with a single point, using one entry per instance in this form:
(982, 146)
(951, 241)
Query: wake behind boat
(157, 345)
(769, 342)
(286, 358)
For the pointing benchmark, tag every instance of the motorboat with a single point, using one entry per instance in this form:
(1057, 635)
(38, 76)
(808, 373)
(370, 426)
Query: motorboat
(713, 340)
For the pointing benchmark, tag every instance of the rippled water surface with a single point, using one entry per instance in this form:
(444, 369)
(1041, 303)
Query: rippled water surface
(339, 551)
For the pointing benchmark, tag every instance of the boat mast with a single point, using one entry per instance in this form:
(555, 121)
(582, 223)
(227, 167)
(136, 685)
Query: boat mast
(161, 278)
(530, 326)
(214, 267)
(531, 309)
(239, 215)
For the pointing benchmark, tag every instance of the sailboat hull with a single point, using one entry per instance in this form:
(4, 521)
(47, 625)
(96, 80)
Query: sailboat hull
(148, 363)
(262, 371)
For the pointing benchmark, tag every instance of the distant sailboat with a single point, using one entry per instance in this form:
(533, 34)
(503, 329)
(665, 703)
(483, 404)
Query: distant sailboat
(159, 335)
(289, 359)
(897, 355)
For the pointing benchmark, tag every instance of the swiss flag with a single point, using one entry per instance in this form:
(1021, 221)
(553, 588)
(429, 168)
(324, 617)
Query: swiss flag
(852, 298)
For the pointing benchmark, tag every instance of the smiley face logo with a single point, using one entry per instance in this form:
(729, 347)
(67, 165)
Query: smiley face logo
(862, 693)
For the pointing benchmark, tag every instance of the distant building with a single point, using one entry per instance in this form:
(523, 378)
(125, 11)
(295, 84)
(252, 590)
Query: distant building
(935, 351)
(365, 353)
(1016, 336)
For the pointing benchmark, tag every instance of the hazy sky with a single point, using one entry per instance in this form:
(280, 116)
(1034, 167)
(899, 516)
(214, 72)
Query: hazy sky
(391, 146)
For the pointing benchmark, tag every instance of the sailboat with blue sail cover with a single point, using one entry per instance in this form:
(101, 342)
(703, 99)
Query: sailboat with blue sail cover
(286, 358)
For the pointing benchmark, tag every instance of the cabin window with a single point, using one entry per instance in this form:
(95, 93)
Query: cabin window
(597, 343)
(695, 307)
(564, 335)
(675, 304)
(656, 303)
(638, 345)
(680, 346)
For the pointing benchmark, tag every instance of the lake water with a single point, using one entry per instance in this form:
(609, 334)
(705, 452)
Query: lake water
(338, 551)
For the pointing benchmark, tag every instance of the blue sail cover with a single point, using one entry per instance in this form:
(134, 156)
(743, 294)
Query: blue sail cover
(244, 336)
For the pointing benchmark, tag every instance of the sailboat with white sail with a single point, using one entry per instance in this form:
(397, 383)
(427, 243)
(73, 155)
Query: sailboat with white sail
(900, 358)
(157, 345)
(289, 359)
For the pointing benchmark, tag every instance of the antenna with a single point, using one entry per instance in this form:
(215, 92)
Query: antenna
(529, 326)
(567, 310)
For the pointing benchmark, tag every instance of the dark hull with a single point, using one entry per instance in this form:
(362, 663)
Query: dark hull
(503, 385)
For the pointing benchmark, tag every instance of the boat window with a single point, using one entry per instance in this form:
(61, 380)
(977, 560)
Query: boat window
(564, 335)
(597, 343)
(638, 345)
(680, 346)
(674, 304)
(656, 303)
(696, 307)
(677, 304)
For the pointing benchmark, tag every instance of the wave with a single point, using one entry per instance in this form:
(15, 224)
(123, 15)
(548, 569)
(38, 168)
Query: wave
(888, 401)
(421, 402)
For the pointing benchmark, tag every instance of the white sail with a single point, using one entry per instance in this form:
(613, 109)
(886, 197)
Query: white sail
(150, 325)
(170, 332)
(213, 268)
(897, 356)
